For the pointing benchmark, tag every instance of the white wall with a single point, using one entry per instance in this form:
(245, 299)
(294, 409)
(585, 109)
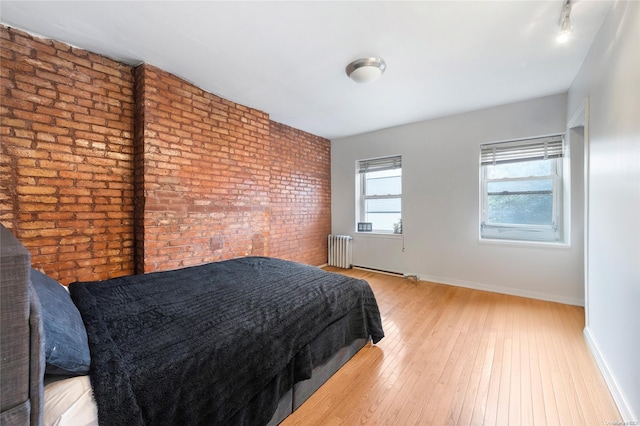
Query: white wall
(441, 204)
(610, 78)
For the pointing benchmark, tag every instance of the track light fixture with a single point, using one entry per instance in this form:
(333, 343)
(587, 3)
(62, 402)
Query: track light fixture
(564, 23)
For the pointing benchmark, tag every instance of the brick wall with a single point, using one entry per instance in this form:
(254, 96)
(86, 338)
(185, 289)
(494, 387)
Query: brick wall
(108, 170)
(67, 189)
(300, 195)
(206, 181)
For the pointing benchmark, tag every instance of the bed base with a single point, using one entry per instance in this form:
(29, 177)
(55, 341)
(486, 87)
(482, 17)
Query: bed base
(301, 391)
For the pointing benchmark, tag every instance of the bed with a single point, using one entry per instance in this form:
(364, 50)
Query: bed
(244, 341)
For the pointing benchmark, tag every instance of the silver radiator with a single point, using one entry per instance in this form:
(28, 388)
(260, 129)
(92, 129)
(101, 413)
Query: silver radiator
(340, 251)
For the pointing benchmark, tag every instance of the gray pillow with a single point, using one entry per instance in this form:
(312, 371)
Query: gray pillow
(65, 338)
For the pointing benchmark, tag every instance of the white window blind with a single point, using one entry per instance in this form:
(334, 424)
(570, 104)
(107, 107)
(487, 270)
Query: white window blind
(524, 150)
(379, 164)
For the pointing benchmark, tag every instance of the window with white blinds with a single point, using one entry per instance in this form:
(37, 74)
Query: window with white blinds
(522, 150)
(379, 194)
(521, 189)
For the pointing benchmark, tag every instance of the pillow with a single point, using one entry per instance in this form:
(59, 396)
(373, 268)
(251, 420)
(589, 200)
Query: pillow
(65, 338)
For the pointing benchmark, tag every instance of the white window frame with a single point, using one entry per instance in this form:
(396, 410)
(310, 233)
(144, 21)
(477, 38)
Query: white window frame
(524, 232)
(377, 164)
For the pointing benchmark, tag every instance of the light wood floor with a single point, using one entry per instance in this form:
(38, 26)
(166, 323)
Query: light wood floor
(465, 357)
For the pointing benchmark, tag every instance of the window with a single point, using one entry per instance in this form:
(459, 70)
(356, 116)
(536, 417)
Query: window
(521, 184)
(379, 194)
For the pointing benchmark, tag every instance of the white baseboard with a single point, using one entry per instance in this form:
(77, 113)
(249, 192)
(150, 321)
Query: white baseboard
(505, 290)
(484, 287)
(377, 271)
(628, 416)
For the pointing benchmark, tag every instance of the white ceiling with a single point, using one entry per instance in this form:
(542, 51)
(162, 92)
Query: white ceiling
(288, 58)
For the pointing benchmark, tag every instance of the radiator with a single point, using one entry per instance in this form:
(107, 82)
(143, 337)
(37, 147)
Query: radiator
(340, 251)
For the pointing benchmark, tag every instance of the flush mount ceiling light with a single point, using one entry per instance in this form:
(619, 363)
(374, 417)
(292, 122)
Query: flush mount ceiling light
(564, 23)
(366, 70)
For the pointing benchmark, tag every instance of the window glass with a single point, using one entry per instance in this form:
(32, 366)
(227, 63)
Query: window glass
(384, 222)
(383, 205)
(520, 169)
(524, 209)
(383, 183)
(383, 213)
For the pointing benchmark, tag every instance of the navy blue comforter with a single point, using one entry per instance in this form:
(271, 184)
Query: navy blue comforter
(195, 346)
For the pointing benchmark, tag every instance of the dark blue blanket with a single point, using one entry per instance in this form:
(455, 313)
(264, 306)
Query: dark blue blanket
(196, 345)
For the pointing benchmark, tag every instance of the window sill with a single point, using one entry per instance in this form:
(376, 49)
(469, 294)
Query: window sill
(378, 235)
(523, 243)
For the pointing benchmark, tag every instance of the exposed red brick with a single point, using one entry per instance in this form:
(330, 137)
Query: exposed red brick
(300, 195)
(200, 202)
(107, 170)
(39, 197)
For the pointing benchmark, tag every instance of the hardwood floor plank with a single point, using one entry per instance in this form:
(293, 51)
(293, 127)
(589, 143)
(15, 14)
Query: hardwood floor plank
(499, 324)
(504, 395)
(541, 389)
(526, 384)
(478, 372)
(464, 357)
